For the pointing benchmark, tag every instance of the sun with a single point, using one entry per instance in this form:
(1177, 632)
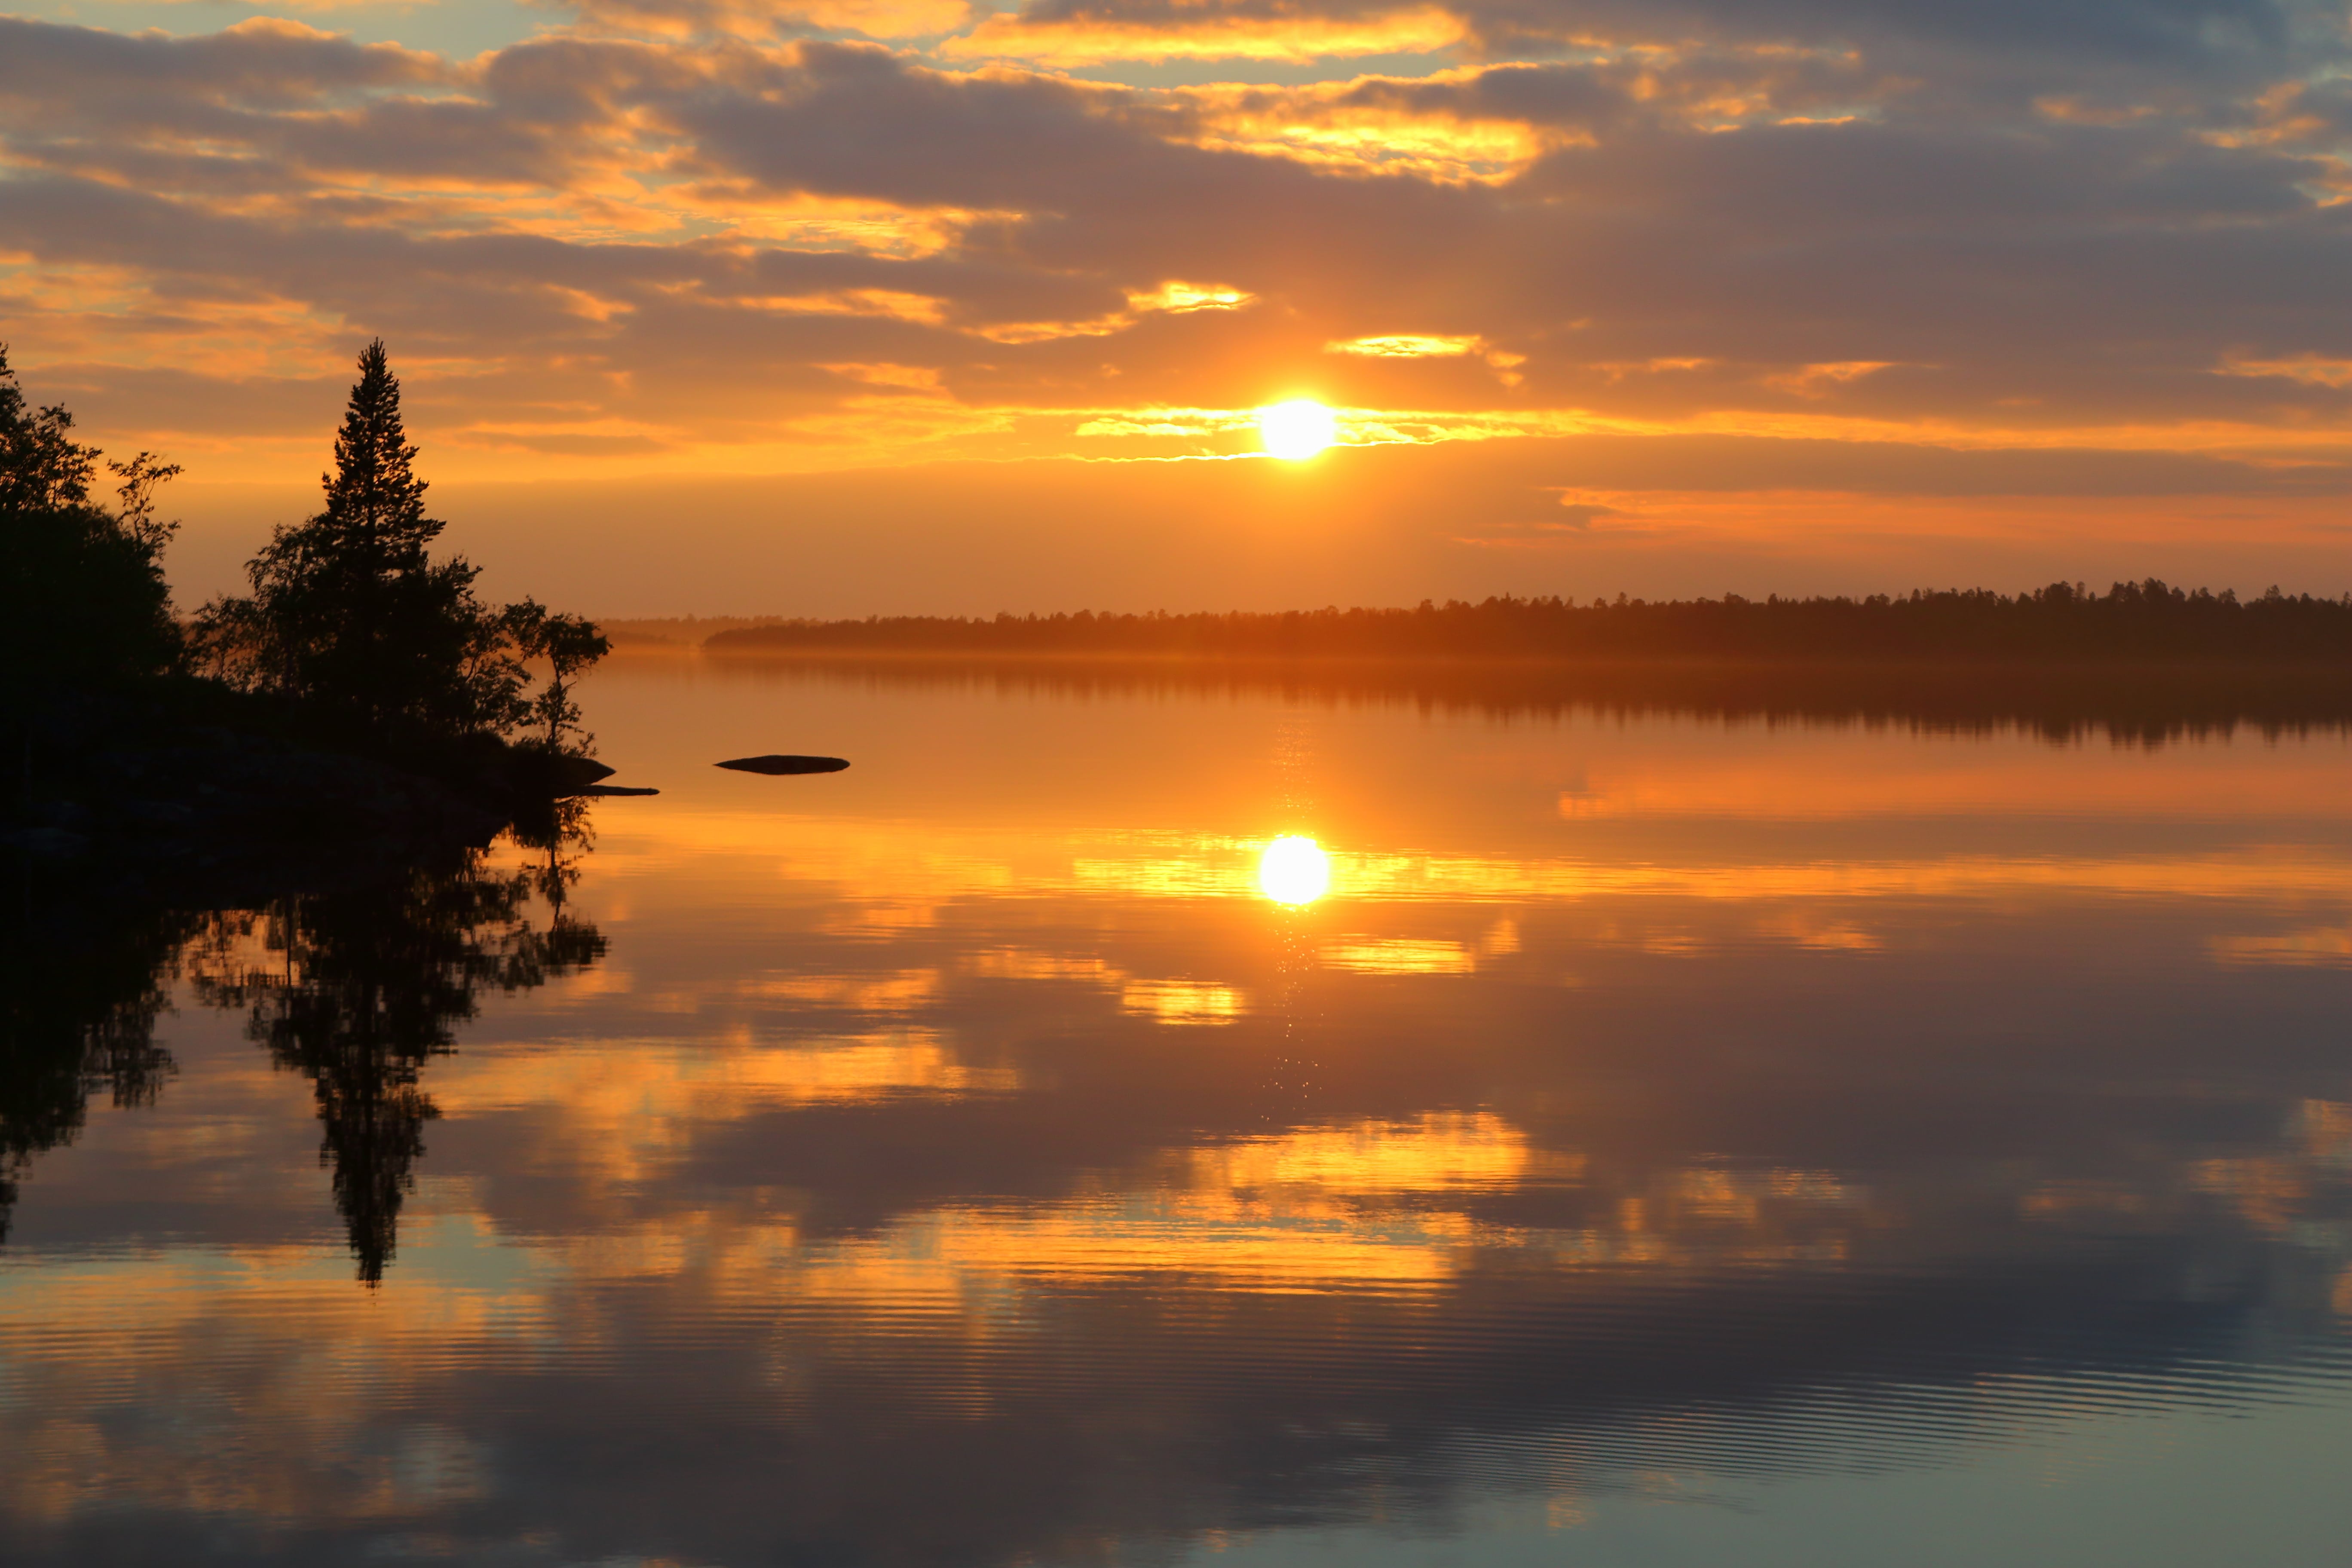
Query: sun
(1298, 429)
(1294, 870)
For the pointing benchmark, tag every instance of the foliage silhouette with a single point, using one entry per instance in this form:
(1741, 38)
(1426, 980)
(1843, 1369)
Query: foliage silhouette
(350, 615)
(83, 603)
(570, 645)
(42, 468)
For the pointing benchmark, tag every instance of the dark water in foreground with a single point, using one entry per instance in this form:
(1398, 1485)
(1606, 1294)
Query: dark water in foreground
(1614, 1141)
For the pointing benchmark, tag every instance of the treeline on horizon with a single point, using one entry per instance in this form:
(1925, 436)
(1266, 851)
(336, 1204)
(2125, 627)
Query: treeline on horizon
(2149, 621)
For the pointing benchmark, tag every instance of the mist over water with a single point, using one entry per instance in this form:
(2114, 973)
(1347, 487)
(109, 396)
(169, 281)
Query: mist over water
(1216, 1121)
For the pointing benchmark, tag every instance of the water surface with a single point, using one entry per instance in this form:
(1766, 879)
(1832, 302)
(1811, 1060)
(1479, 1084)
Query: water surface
(1619, 1138)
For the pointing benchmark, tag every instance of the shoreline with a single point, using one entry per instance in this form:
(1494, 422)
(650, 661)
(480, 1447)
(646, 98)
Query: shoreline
(1500, 662)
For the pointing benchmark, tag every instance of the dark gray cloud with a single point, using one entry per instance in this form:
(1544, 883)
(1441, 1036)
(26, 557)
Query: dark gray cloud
(727, 239)
(260, 64)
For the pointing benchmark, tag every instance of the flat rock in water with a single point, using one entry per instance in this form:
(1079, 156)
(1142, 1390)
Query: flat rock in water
(786, 765)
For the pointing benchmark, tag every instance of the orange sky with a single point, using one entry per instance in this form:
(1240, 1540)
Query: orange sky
(871, 305)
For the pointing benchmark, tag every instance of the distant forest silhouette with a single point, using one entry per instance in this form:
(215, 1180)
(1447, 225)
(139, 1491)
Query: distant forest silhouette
(2138, 622)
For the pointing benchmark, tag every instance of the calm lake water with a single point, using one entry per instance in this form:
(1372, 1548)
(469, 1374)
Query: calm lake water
(1612, 1139)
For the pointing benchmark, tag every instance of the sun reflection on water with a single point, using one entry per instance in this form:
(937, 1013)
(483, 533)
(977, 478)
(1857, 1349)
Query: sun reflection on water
(1294, 870)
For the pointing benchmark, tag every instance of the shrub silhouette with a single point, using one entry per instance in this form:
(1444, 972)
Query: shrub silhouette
(570, 645)
(83, 603)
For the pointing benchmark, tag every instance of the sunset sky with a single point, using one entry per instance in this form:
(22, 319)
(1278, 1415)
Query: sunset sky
(860, 306)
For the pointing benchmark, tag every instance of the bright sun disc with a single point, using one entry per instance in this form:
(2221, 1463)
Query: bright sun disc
(1294, 870)
(1298, 429)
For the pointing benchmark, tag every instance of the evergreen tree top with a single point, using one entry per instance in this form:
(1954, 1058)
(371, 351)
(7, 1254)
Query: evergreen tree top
(374, 488)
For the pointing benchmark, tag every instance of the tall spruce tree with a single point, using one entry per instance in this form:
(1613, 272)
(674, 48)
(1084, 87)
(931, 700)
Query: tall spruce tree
(349, 613)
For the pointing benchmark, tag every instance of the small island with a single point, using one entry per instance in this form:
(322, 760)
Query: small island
(360, 697)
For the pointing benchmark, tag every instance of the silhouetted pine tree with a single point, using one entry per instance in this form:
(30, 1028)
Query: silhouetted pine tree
(350, 614)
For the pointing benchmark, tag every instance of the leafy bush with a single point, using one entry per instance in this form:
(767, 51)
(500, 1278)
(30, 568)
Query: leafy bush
(83, 602)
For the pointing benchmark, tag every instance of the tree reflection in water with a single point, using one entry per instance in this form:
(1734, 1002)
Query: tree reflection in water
(363, 985)
(79, 1000)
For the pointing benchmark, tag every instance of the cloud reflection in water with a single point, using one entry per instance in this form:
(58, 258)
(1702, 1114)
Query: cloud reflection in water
(1106, 1201)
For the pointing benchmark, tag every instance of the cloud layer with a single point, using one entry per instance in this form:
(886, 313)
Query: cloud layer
(701, 236)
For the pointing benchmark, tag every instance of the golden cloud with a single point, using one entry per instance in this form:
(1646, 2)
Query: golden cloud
(1297, 38)
(1407, 345)
(2309, 368)
(1177, 298)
